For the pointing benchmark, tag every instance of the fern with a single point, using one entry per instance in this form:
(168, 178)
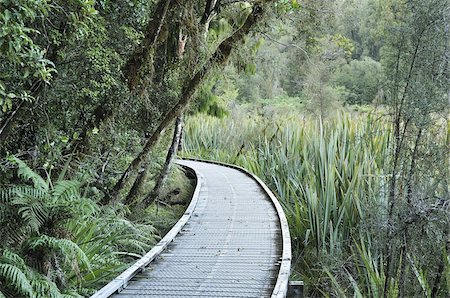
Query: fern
(43, 287)
(71, 294)
(83, 206)
(14, 259)
(66, 190)
(7, 194)
(16, 279)
(67, 248)
(14, 234)
(32, 211)
(27, 173)
(33, 218)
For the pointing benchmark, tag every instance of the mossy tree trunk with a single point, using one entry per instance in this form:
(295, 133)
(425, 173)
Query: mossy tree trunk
(165, 171)
(219, 58)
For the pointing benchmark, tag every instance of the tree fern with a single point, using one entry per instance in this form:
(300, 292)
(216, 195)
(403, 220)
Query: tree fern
(34, 218)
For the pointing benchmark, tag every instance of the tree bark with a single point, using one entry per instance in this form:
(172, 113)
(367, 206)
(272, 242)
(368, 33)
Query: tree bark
(155, 193)
(137, 185)
(180, 143)
(143, 52)
(220, 57)
(211, 9)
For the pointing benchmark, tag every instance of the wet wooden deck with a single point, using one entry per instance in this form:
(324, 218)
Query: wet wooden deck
(233, 241)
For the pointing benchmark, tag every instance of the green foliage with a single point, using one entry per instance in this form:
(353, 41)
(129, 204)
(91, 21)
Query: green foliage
(14, 275)
(320, 96)
(56, 242)
(18, 278)
(296, 159)
(25, 54)
(362, 80)
(208, 102)
(330, 177)
(64, 96)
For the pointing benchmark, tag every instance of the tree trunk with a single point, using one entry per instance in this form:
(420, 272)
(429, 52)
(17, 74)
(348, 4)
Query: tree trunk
(143, 52)
(180, 142)
(220, 57)
(155, 193)
(137, 185)
(211, 9)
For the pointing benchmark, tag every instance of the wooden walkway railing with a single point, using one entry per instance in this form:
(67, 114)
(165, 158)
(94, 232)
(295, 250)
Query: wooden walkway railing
(232, 241)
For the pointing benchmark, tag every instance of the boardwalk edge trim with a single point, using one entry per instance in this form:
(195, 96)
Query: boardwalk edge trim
(281, 286)
(121, 281)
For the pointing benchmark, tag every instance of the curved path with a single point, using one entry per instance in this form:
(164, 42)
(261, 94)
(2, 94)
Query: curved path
(232, 243)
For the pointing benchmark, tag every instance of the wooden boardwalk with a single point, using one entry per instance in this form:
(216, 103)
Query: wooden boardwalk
(233, 241)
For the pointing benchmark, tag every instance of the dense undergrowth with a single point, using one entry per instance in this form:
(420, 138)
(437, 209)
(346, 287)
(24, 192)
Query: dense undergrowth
(58, 240)
(332, 180)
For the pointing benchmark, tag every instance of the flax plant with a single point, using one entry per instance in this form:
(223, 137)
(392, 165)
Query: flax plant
(323, 173)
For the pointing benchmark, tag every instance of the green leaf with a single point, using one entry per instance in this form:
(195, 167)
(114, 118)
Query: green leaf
(65, 188)
(16, 278)
(27, 173)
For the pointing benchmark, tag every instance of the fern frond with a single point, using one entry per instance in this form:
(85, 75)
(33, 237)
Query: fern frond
(66, 189)
(67, 248)
(83, 206)
(26, 173)
(43, 287)
(13, 234)
(2, 295)
(12, 258)
(70, 294)
(5, 195)
(133, 245)
(16, 279)
(9, 193)
(33, 212)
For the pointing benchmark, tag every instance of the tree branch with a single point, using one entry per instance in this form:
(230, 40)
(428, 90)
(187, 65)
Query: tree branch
(220, 57)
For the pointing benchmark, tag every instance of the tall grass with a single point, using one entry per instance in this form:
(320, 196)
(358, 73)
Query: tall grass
(323, 173)
(332, 180)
